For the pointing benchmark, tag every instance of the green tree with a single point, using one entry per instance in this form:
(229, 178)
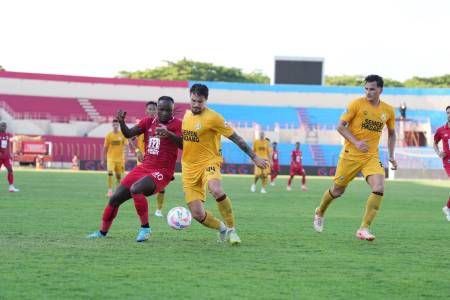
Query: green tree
(186, 69)
(1, 68)
(357, 80)
(423, 82)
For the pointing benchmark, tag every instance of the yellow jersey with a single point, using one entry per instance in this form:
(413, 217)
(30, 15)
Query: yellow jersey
(140, 144)
(262, 148)
(202, 138)
(366, 122)
(115, 143)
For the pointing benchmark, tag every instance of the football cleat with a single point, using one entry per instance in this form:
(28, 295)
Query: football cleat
(288, 188)
(364, 234)
(158, 213)
(12, 189)
(304, 188)
(222, 236)
(446, 212)
(318, 222)
(143, 235)
(233, 238)
(263, 191)
(272, 183)
(96, 235)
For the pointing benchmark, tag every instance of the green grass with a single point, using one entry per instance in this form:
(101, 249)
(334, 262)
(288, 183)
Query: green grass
(44, 253)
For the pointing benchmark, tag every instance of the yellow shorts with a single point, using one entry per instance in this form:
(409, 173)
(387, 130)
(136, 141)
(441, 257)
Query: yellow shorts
(195, 181)
(347, 169)
(261, 171)
(115, 166)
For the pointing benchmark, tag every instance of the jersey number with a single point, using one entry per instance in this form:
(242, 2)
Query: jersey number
(153, 145)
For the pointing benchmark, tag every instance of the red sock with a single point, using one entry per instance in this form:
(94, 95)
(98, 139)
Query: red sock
(109, 214)
(10, 178)
(141, 204)
(273, 176)
(290, 180)
(448, 203)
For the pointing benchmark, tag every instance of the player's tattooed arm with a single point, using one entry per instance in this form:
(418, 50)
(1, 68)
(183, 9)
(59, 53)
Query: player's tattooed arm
(238, 140)
(127, 132)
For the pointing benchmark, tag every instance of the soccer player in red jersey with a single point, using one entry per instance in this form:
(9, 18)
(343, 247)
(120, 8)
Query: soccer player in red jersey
(275, 163)
(297, 167)
(162, 137)
(5, 156)
(443, 134)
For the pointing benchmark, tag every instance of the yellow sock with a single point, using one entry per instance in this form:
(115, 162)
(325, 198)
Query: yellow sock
(325, 202)
(264, 181)
(159, 201)
(118, 176)
(211, 221)
(226, 210)
(372, 207)
(110, 181)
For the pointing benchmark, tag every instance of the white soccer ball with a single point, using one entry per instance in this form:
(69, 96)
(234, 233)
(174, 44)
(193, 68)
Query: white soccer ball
(179, 218)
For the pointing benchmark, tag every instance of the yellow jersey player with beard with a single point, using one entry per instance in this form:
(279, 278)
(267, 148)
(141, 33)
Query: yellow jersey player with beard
(201, 162)
(361, 126)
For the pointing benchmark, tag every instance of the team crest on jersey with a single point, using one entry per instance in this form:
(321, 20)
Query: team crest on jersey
(198, 126)
(383, 117)
(341, 178)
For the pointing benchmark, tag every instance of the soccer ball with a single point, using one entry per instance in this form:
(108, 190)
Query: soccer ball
(179, 218)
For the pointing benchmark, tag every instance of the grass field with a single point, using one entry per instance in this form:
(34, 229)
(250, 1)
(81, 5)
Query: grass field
(44, 253)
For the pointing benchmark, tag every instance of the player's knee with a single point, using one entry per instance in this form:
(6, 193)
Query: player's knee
(337, 191)
(114, 201)
(378, 188)
(198, 214)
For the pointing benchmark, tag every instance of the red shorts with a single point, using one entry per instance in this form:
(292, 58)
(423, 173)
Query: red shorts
(5, 161)
(297, 170)
(276, 168)
(447, 166)
(161, 178)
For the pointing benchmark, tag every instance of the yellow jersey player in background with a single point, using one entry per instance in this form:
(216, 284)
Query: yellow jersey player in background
(361, 126)
(114, 155)
(262, 148)
(151, 111)
(201, 162)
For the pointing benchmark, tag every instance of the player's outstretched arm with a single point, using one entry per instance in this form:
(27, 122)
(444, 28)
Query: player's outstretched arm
(238, 140)
(127, 132)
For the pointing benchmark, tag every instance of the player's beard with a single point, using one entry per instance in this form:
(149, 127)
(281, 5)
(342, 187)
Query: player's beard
(196, 110)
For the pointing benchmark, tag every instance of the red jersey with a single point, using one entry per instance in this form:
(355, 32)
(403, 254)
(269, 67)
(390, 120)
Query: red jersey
(5, 140)
(296, 157)
(443, 133)
(160, 153)
(275, 158)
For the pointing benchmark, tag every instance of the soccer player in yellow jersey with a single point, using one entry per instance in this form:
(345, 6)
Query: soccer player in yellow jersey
(262, 148)
(151, 111)
(361, 126)
(114, 155)
(201, 161)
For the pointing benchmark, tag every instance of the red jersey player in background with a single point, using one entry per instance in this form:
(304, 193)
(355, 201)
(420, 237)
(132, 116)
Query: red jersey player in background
(297, 167)
(443, 134)
(5, 156)
(275, 163)
(162, 138)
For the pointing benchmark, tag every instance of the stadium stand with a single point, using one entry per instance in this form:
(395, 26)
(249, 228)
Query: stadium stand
(43, 108)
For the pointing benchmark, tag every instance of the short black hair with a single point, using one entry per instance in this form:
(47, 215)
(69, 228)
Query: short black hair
(166, 98)
(150, 103)
(200, 90)
(274, 143)
(378, 79)
(447, 108)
